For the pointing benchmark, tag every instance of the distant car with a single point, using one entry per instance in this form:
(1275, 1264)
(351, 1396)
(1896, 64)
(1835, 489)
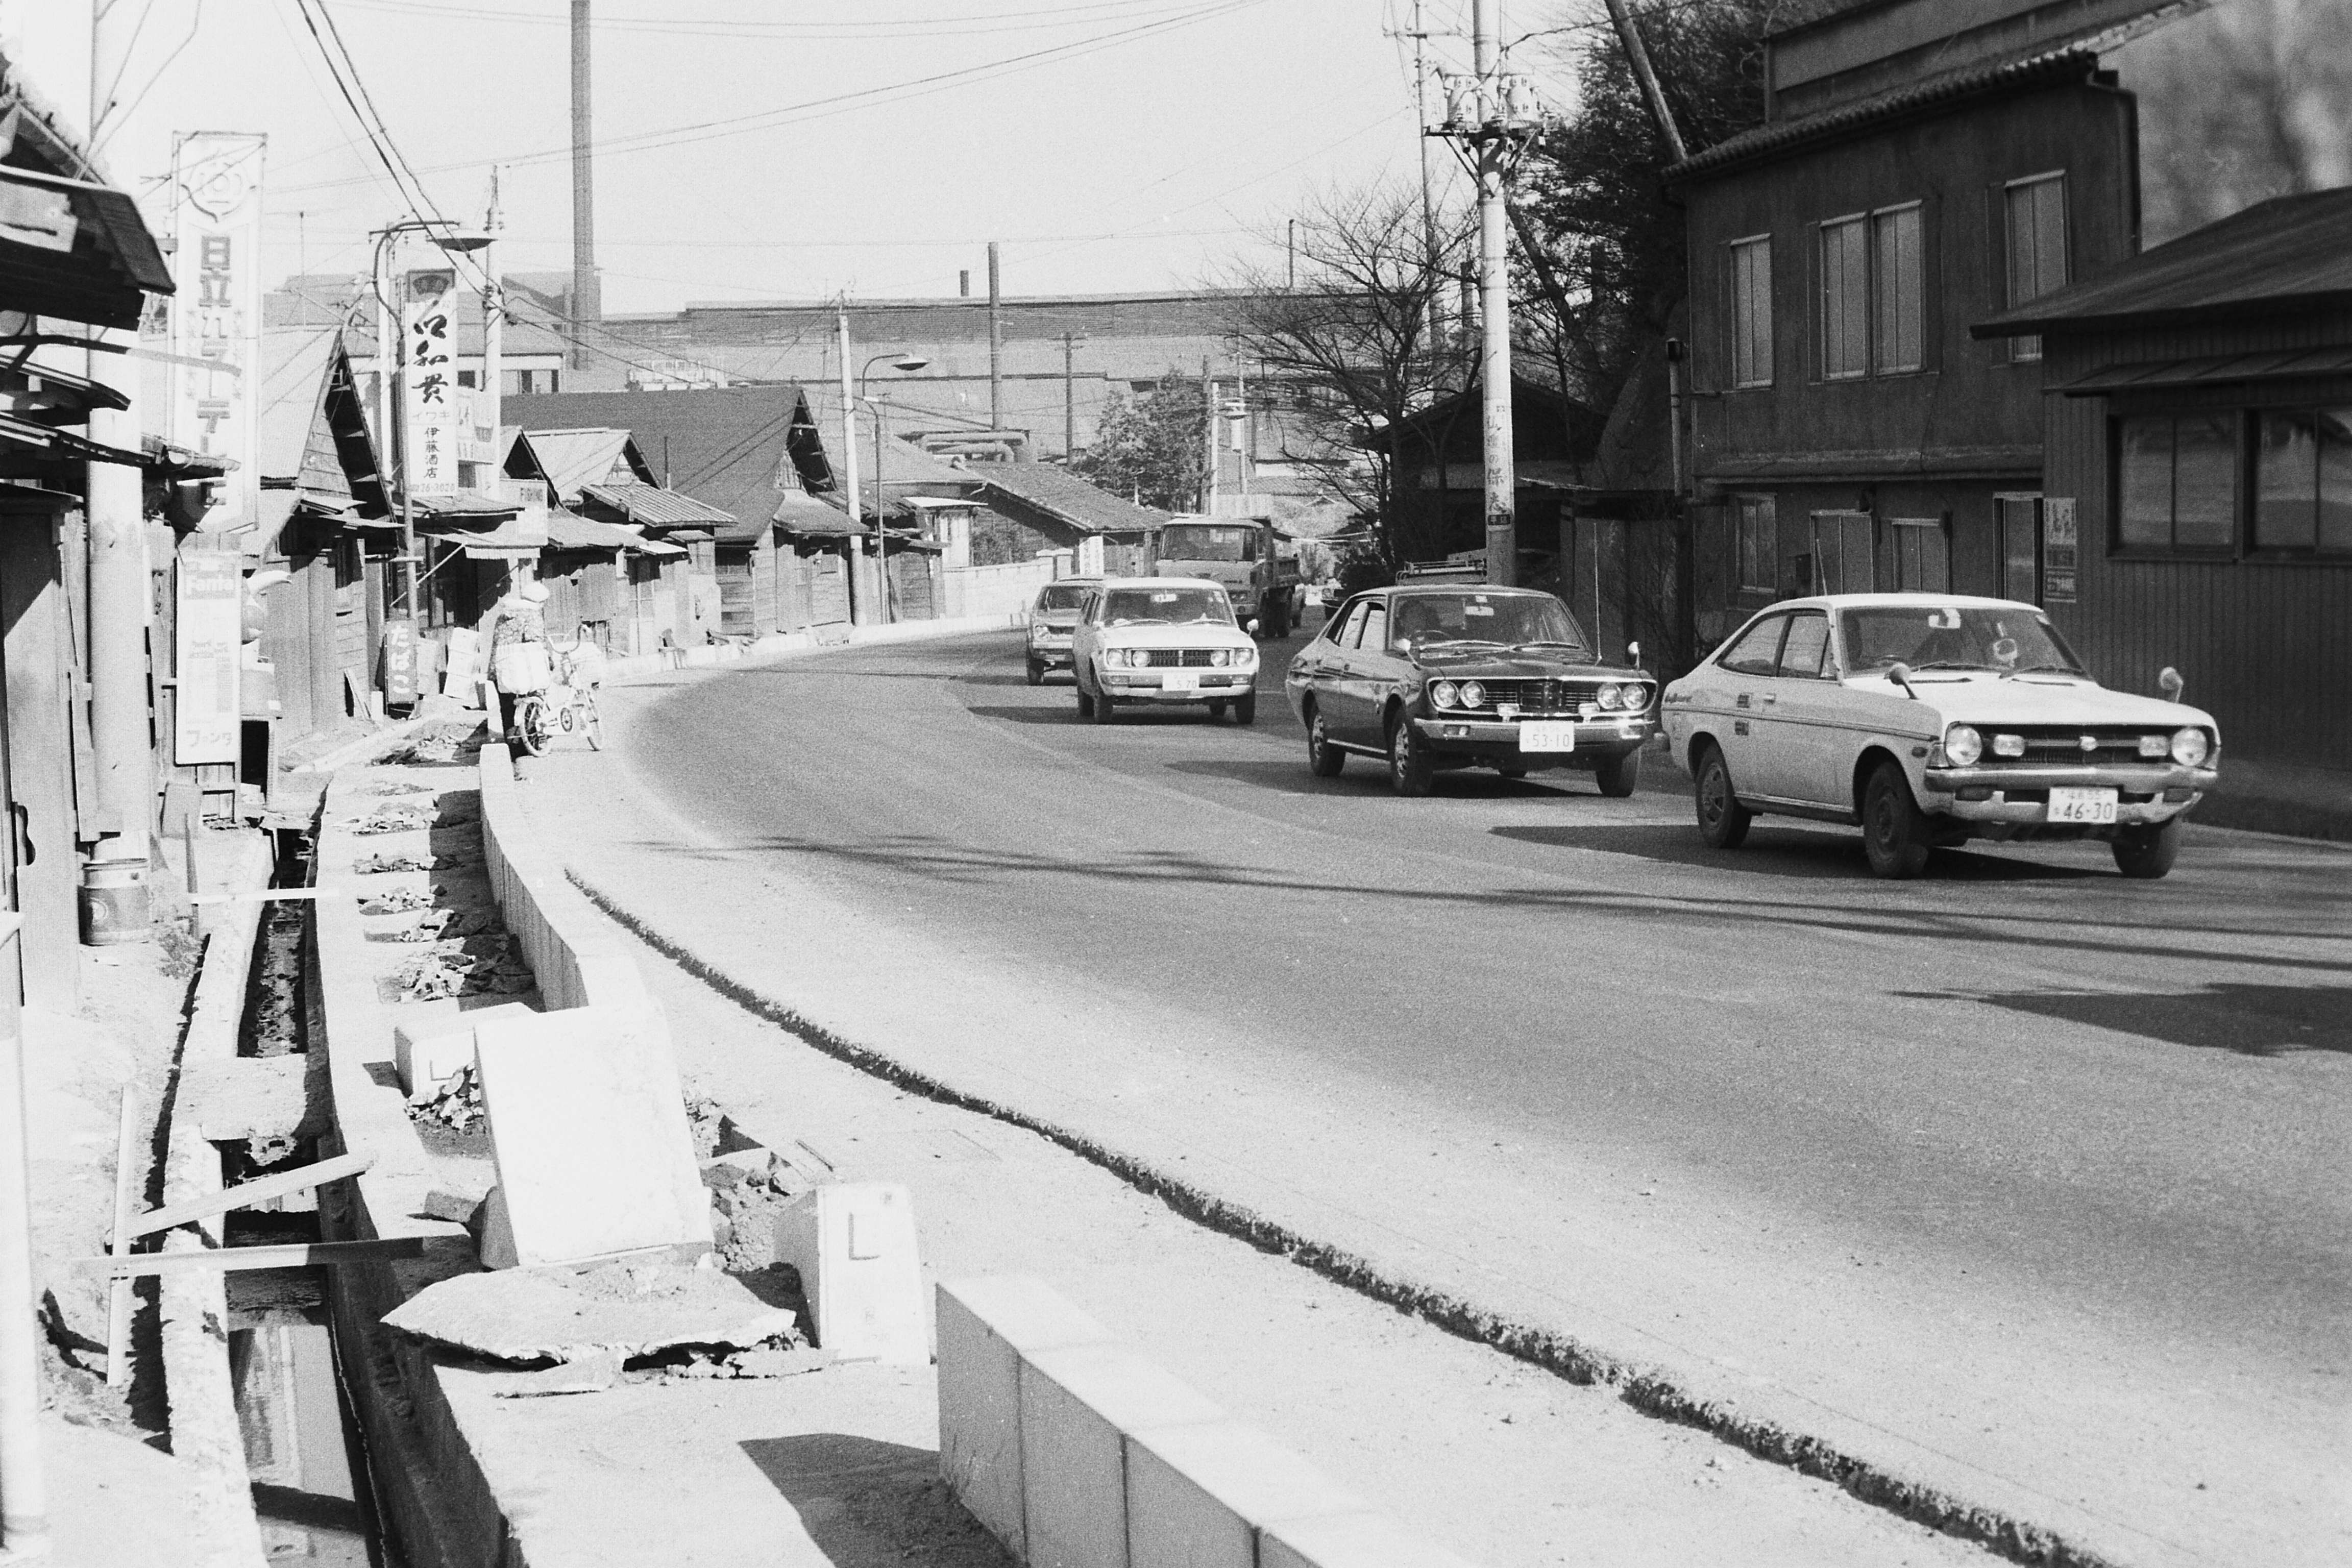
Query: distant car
(1438, 677)
(1331, 595)
(1052, 616)
(1930, 719)
(1151, 641)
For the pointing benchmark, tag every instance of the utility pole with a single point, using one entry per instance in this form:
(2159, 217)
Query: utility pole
(849, 450)
(1209, 442)
(494, 316)
(587, 294)
(995, 347)
(1291, 272)
(1493, 133)
(1651, 93)
(1070, 341)
(1428, 206)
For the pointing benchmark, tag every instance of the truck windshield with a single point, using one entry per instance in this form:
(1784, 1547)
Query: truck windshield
(1193, 542)
(1165, 606)
(1512, 620)
(1954, 637)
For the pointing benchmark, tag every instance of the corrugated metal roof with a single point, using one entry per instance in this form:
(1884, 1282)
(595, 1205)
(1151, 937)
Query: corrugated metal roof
(797, 511)
(731, 447)
(2290, 252)
(654, 506)
(1067, 496)
(572, 458)
(294, 362)
(2278, 365)
(570, 531)
(1778, 140)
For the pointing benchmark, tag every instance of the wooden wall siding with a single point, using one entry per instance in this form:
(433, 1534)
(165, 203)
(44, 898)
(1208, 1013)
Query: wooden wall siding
(914, 585)
(828, 589)
(735, 573)
(37, 677)
(2265, 646)
(767, 605)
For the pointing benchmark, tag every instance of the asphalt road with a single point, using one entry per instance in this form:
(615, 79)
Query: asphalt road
(2030, 1177)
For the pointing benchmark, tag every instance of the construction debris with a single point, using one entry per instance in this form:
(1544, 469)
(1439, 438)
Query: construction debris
(631, 1310)
(400, 900)
(457, 1104)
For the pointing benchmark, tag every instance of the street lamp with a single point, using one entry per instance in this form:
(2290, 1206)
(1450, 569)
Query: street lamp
(901, 360)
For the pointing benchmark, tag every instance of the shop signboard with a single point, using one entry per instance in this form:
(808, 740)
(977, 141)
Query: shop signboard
(216, 310)
(210, 621)
(2059, 560)
(428, 374)
(400, 663)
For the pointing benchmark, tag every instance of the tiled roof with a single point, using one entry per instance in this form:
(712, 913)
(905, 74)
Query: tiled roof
(1067, 497)
(728, 446)
(654, 506)
(2289, 251)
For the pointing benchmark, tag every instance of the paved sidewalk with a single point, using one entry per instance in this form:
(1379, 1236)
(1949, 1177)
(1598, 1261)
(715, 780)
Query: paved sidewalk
(1504, 1463)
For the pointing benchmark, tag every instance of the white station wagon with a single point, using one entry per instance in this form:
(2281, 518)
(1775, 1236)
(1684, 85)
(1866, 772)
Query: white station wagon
(1930, 719)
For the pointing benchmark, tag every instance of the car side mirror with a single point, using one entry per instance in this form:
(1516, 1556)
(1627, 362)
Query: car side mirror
(1633, 654)
(1403, 645)
(2171, 682)
(1900, 674)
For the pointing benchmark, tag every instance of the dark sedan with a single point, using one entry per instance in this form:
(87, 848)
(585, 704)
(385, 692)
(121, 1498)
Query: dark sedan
(1433, 678)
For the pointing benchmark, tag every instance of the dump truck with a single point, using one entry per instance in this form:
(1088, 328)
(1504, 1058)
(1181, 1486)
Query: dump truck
(1256, 564)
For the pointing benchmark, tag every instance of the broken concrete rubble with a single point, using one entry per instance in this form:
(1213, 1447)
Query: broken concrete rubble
(627, 1309)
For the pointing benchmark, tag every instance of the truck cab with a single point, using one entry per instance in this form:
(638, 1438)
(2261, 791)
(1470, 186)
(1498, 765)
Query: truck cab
(1255, 564)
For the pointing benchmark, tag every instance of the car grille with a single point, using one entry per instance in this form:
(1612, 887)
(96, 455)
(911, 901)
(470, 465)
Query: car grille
(1539, 696)
(1179, 659)
(2048, 744)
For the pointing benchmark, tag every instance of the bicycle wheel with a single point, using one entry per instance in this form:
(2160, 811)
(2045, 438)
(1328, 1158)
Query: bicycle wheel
(596, 721)
(531, 727)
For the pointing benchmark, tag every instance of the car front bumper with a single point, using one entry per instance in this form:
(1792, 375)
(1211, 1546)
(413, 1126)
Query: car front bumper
(1497, 741)
(2152, 793)
(1149, 685)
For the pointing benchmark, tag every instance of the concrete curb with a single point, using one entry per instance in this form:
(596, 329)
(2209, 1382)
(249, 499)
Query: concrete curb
(365, 747)
(786, 645)
(207, 1435)
(576, 963)
(1650, 1390)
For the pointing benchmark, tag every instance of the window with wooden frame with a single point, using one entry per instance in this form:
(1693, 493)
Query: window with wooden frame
(2176, 482)
(1751, 311)
(1873, 293)
(2035, 223)
(2302, 481)
(1755, 544)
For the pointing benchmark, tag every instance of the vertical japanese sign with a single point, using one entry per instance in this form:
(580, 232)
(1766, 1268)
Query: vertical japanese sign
(2059, 559)
(211, 637)
(429, 383)
(216, 310)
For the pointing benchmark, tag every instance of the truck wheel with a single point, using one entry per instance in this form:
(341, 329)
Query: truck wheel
(1722, 821)
(2147, 852)
(1245, 709)
(1412, 770)
(1618, 775)
(1324, 760)
(1894, 831)
(1277, 625)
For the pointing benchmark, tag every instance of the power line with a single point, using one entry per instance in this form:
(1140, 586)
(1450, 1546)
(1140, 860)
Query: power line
(830, 29)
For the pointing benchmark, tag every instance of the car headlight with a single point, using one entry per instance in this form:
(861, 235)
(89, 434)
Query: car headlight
(1217, 658)
(1607, 696)
(1122, 658)
(1036, 631)
(1963, 746)
(2190, 747)
(1635, 695)
(1472, 695)
(2008, 745)
(1446, 694)
(2155, 747)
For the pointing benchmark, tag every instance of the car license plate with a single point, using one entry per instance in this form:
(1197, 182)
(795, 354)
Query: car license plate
(2081, 805)
(1180, 680)
(1546, 735)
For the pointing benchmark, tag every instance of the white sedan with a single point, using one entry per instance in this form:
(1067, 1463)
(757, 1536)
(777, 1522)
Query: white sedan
(1153, 641)
(1929, 719)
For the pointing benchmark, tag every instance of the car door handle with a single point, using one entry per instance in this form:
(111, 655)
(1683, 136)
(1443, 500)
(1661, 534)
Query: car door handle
(1741, 700)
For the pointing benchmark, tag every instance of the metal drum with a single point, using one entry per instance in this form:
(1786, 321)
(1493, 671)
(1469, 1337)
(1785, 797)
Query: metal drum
(114, 905)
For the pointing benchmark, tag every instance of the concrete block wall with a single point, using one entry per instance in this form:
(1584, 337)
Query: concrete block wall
(1077, 1453)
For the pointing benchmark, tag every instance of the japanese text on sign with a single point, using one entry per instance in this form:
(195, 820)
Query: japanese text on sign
(2060, 561)
(429, 380)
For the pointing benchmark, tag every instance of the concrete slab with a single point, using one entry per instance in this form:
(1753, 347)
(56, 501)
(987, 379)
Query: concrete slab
(1076, 1407)
(428, 1049)
(1196, 1495)
(588, 1130)
(1348, 1541)
(854, 1244)
(568, 1315)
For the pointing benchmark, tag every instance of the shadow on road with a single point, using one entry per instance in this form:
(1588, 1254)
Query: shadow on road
(1290, 775)
(864, 1501)
(1783, 852)
(1061, 712)
(2247, 1020)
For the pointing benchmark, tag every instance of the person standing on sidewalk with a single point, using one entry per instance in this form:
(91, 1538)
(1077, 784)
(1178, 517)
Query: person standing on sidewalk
(518, 653)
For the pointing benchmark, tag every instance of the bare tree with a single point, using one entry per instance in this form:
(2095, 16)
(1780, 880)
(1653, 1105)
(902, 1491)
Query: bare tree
(1349, 350)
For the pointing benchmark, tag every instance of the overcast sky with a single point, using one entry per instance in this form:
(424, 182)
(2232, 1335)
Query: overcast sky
(794, 148)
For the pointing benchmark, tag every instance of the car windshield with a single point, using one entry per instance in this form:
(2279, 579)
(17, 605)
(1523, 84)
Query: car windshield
(1193, 542)
(2008, 639)
(1510, 620)
(1165, 606)
(1061, 596)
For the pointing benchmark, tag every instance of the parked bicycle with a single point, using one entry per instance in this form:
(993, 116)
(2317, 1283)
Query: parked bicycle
(566, 705)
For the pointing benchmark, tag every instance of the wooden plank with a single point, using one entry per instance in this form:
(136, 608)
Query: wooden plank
(247, 1194)
(265, 895)
(293, 1255)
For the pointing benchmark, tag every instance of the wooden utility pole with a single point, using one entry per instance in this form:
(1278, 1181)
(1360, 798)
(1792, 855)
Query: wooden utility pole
(995, 347)
(1208, 442)
(587, 294)
(1651, 93)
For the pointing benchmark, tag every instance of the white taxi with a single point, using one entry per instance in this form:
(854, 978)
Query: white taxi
(1929, 719)
(1154, 641)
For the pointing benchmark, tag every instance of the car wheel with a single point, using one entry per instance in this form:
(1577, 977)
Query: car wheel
(2147, 852)
(1722, 820)
(1036, 673)
(1085, 698)
(1324, 760)
(1106, 707)
(1216, 711)
(1895, 830)
(1245, 709)
(1618, 775)
(1412, 770)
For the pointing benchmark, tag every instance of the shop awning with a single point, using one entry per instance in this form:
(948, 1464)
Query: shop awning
(487, 529)
(654, 506)
(797, 511)
(65, 444)
(76, 251)
(570, 531)
(2276, 364)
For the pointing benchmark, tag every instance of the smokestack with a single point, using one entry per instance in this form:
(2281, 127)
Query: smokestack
(963, 284)
(587, 294)
(995, 347)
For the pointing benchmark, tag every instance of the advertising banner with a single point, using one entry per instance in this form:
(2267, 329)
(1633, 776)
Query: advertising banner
(216, 312)
(430, 429)
(210, 624)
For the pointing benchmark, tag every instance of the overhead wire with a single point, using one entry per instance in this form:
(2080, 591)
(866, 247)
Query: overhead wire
(832, 28)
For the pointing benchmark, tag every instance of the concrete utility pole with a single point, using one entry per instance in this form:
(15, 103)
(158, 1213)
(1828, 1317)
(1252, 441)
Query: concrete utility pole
(494, 316)
(849, 455)
(1070, 341)
(587, 294)
(1495, 149)
(995, 347)
(1428, 204)
(1209, 442)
